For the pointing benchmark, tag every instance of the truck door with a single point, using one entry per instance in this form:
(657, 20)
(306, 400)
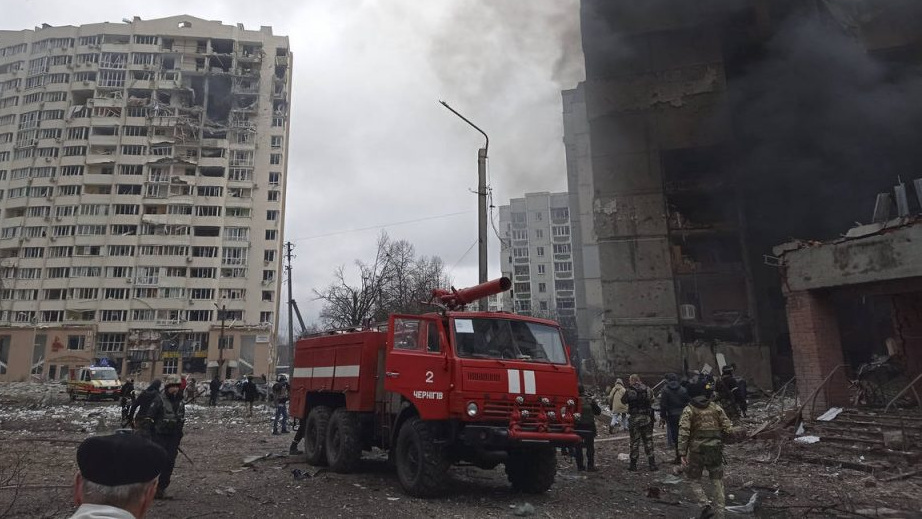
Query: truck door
(417, 365)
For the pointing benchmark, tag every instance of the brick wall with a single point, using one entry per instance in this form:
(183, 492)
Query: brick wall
(817, 348)
(907, 328)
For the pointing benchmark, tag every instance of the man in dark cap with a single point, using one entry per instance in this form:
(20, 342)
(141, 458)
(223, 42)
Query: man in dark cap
(118, 476)
(167, 416)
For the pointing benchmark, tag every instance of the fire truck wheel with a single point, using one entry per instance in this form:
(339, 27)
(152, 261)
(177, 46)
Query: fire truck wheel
(315, 435)
(532, 470)
(343, 441)
(421, 467)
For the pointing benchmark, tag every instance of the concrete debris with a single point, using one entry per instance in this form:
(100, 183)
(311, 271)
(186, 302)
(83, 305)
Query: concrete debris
(671, 480)
(524, 510)
(622, 456)
(830, 414)
(807, 439)
(229, 491)
(748, 508)
(250, 460)
(300, 474)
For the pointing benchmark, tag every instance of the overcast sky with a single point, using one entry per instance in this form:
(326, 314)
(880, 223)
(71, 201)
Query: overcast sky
(370, 145)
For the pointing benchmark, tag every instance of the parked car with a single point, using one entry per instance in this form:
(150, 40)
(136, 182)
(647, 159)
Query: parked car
(233, 389)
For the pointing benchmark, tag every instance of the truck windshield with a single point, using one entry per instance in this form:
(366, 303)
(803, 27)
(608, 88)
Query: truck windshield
(106, 374)
(508, 339)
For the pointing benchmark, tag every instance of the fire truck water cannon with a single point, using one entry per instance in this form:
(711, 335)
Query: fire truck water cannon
(456, 299)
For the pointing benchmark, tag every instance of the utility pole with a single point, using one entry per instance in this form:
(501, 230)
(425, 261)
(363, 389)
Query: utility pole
(481, 203)
(291, 323)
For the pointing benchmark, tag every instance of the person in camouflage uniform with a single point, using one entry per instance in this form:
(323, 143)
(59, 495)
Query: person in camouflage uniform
(702, 429)
(639, 400)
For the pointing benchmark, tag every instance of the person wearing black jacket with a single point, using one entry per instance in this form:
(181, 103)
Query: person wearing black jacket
(126, 400)
(672, 401)
(214, 388)
(249, 393)
(167, 416)
(142, 404)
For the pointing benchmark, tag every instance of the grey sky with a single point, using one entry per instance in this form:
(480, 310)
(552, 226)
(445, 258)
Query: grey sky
(370, 145)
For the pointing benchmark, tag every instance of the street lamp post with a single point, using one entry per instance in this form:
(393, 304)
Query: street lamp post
(481, 203)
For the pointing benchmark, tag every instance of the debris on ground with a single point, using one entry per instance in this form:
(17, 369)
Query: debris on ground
(748, 508)
(524, 510)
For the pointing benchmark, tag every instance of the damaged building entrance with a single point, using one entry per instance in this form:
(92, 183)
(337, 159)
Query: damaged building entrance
(854, 310)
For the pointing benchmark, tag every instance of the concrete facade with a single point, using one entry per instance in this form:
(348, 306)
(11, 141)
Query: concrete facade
(676, 201)
(143, 168)
(537, 255)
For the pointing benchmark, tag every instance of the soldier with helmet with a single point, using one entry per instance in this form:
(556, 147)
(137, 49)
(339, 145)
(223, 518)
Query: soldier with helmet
(639, 399)
(167, 415)
(702, 429)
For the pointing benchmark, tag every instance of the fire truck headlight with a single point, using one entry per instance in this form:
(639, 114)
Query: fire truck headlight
(571, 403)
(551, 415)
(519, 400)
(545, 401)
(472, 409)
(525, 413)
(563, 411)
(577, 416)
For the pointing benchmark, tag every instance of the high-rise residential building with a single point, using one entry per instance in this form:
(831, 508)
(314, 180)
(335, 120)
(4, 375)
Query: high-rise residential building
(713, 132)
(537, 255)
(143, 168)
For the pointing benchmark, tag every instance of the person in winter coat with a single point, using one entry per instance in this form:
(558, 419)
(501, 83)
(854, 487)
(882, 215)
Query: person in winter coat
(639, 399)
(214, 390)
(167, 415)
(249, 393)
(280, 391)
(618, 409)
(126, 400)
(672, 401)
(586, 428)
(139, 409)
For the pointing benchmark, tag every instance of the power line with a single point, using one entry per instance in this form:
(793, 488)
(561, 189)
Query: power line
(463, 255)
(382, 226)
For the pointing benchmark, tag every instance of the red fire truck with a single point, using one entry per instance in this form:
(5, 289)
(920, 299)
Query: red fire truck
(437, 389)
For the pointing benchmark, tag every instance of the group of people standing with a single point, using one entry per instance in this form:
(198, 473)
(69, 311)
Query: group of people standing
(697, 413)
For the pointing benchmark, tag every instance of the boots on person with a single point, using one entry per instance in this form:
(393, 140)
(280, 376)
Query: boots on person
(652, 463)
(633, 467)
(677, 460)
(293, 449)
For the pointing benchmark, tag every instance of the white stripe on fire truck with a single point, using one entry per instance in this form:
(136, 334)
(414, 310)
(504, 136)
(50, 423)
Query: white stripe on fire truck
(347, 371)
(529, 377)
(302, 373)
(327, 372)
(514, 382)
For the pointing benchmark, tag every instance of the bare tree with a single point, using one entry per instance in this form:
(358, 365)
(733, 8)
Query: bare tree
(395, 282)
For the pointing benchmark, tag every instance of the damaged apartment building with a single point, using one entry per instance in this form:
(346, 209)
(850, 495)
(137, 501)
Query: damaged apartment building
(143, 168)
(705, 134)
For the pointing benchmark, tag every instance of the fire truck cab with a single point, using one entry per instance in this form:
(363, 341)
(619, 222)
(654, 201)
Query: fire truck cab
(440, 388)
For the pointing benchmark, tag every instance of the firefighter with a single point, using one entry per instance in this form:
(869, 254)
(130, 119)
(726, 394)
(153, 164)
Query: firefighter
(639, 400)
(138, 412)
(702, 429)
(280, 392)
(586, 428)
(167, 415)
